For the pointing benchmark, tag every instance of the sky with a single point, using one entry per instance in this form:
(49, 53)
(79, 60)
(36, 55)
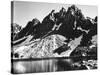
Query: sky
(23, 12)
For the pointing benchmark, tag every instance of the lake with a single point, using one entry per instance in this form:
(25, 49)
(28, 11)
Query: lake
(52, 64)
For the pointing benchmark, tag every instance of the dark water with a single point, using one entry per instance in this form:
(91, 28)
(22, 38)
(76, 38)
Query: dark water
(48, 65)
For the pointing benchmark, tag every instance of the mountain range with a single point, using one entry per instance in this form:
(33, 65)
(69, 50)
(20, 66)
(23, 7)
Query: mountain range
(59, 34)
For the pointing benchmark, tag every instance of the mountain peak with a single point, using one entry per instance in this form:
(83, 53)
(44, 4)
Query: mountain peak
(63, 9)
(35, 21)
(75, 8)
(75, 11)
(15, 27)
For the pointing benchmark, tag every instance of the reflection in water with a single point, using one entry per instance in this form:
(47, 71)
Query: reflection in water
(34, 66)
(48, 65)
(19, 67)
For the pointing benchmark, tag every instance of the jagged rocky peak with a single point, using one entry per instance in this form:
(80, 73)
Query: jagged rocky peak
(96, 19)
(63, 9)
(62, 12)
(32, 23)
(16, 28)
(75, 11)
(74, 8)
(49, 17)
(35, 21)
(29, 29)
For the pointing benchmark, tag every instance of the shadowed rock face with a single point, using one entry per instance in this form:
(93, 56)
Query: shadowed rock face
(30, 29)
(61, 49)
(71, 24)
